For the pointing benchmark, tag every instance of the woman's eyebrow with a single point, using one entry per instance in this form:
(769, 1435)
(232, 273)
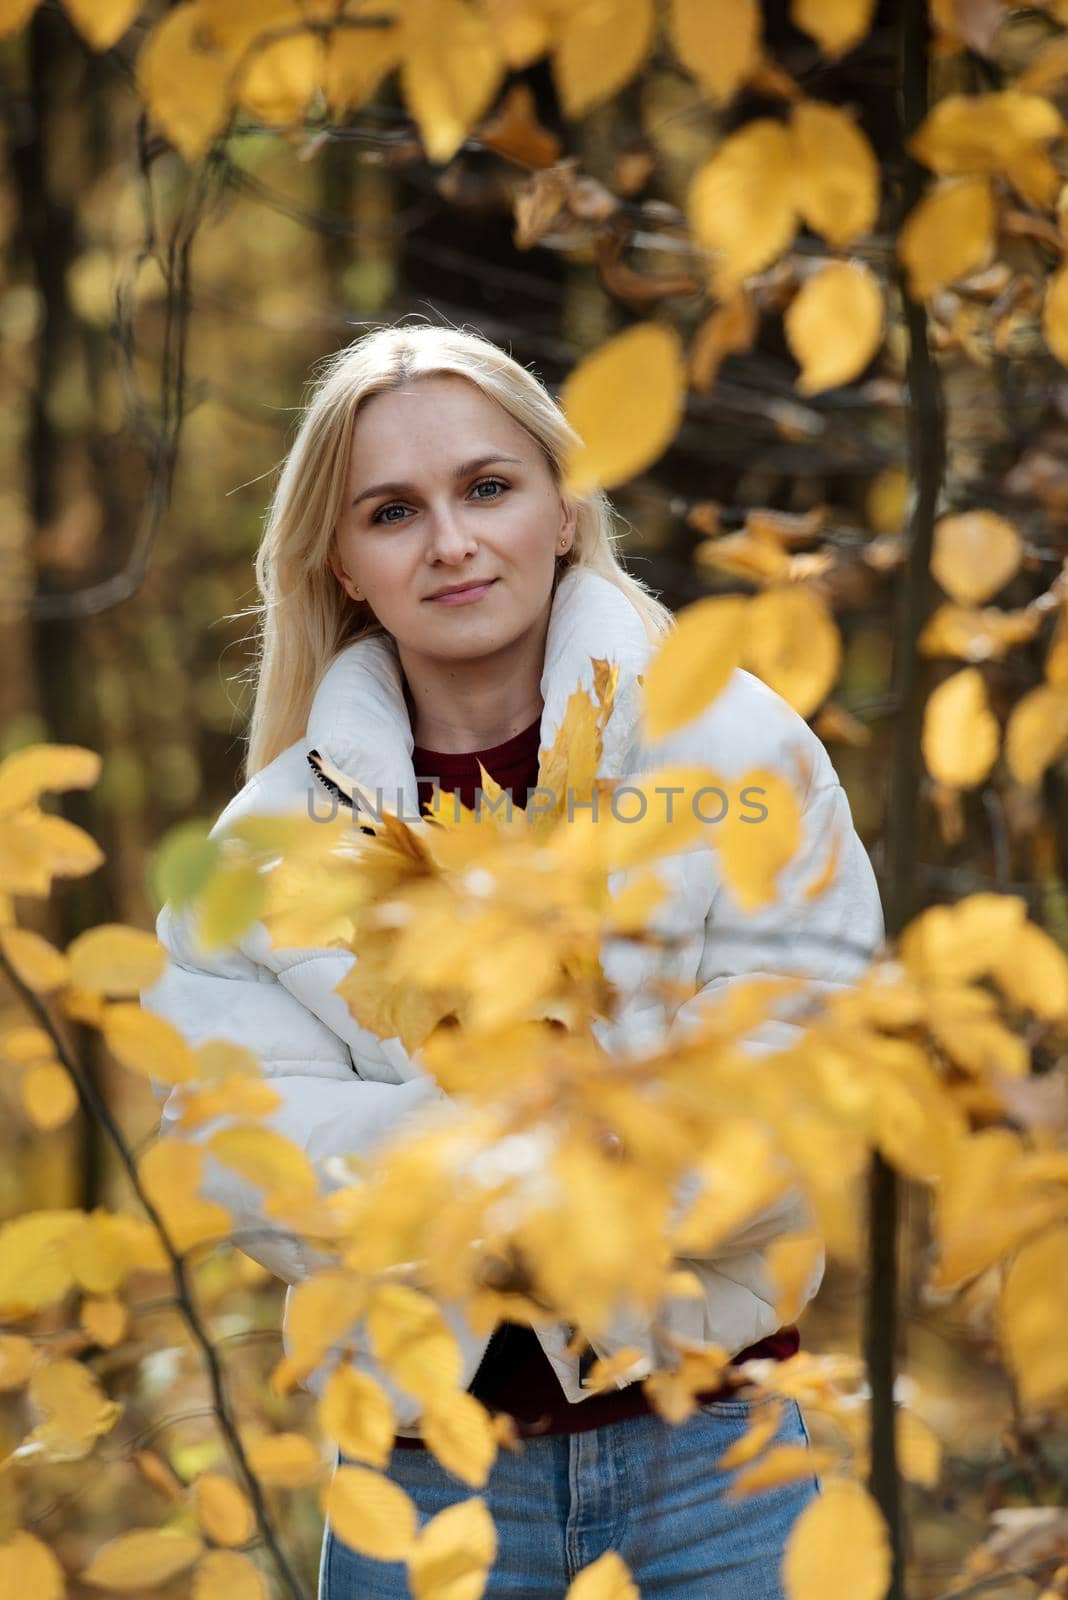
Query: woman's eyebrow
(461, 472)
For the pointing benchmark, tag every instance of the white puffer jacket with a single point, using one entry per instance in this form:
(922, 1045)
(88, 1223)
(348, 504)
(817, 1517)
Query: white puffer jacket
(344, 1090)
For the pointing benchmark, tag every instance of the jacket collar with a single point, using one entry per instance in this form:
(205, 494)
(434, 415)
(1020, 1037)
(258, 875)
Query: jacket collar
(359, 717)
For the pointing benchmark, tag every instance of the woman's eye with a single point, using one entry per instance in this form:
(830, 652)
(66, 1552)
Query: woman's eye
(395, 505)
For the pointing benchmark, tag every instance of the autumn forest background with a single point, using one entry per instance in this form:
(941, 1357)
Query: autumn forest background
(197, 203)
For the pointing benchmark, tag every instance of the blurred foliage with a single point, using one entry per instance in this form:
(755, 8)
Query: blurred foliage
(192, 215)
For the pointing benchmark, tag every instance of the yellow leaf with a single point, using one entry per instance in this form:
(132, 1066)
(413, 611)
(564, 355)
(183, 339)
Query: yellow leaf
(983, 132)
(26, 1045)
(222, 1061)
(80, 1005)
(371, 1514)
(147, 1044)
(975, 554)
(1034, 177)
(231, 900)
(948, 234)
(412, 1340)
(77, 1411)
(1031, 1316)
(607, 1578)
(956, 944)
(451, 70)
(836, 173)
(280, 77)
(453, 1553)
(1055, 314)
(834, 325)
(525, 33)
(116, 960)
(224, 1575)
(29, 1569)
(886, 502)
(144, 1249)
(574, 757)
(754, 850)
(793, 644)
(14, 14)
(240, 1098)
(989, 1201)
(34, 1265)
(1056, 672)
(742, 202)
(98, 1252)
(48, 1096)
(1048, 66)
(184, 85)
(266, 1158)
(105, 1320)
(1037, 732)
(36, 847)
(356, 1411)
(458, 1432)
(914, 1120)
(357, 60)
(320, 1311)
(227, 1575)
(223, 1510)
(836, 25)
(718, 41)
(598, 49)
(625, 402)
(143, 1559)
(237, 25)
(44, 769)
(39, 964)
(284, 1460)
(978, 635)
(103, 22)
(960, 732)
(782, 1463)
(919, 1448)
(827, 874)
(694, 663)
(18, 1357)
(791, 1262)
(839, 1548)
(729, 329)
(760, 1430)
(170, 1173)
(1033, 972)
(664, 814)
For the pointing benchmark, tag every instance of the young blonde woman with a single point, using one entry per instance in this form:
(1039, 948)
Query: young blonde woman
(431, 598)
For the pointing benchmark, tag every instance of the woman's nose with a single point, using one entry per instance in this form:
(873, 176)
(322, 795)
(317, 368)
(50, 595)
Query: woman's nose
(447, 533)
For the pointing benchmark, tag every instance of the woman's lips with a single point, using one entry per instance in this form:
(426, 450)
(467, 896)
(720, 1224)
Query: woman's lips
(460, 597)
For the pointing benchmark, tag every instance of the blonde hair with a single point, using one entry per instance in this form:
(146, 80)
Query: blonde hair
(305, 617)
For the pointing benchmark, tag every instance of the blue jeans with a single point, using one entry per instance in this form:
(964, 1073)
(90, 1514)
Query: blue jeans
(641, 1486)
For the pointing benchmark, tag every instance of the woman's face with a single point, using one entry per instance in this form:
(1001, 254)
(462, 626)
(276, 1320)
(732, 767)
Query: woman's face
(444, 488)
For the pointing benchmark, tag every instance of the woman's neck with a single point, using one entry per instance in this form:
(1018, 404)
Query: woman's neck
(471, 728)
(456, 707)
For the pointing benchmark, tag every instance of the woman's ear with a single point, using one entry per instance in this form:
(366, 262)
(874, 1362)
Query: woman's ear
(568, 524)
(334, 562)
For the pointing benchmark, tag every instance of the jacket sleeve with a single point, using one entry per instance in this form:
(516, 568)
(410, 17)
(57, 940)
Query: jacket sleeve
(326, 1108)
(827, 938)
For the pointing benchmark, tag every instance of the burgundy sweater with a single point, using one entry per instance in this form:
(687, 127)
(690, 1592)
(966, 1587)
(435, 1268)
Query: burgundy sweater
(515, 1374)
